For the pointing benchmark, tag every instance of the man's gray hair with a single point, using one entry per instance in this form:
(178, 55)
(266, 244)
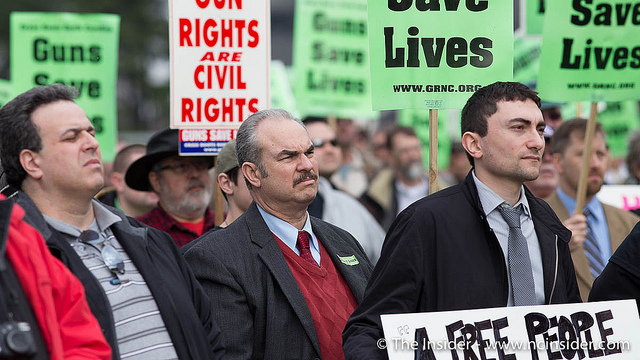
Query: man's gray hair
(247, 146)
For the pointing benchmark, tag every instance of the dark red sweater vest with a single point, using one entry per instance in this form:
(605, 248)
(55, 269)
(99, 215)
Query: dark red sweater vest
(328, 297)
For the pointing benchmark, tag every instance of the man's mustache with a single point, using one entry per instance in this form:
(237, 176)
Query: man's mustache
(195, 183)
(304, 176)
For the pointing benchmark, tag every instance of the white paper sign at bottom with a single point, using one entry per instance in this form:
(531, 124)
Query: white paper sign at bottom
(608, 330)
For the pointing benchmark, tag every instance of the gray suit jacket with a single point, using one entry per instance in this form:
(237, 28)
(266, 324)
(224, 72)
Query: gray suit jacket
(255, 298)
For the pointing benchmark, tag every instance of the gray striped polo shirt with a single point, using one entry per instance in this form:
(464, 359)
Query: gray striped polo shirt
(140, 329)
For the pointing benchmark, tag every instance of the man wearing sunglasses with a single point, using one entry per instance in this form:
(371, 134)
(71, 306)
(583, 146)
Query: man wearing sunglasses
(144, 296)
(183, 186)
(335, 206)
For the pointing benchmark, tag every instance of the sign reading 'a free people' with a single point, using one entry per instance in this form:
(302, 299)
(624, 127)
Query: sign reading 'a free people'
(434, 54)
(608, 330)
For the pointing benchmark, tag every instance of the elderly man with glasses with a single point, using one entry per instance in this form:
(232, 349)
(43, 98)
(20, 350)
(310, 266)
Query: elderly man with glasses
(183, 185)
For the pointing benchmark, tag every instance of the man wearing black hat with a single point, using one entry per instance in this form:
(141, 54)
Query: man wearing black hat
(233, 187)
(144, 296)
(183, 186)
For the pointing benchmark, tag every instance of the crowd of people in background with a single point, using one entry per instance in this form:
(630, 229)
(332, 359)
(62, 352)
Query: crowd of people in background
(310, 207)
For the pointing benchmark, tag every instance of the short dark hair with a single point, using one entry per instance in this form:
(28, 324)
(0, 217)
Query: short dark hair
(17, 130)
(484, 103)
(123, 158)
(233, 176)
(314, 119)
(561, 137)
(398, 129)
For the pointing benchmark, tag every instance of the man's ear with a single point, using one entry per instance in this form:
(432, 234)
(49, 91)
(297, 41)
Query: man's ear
(154, 180)
(471, 143)
(117, 181)
(252, 174)
(225, 184)
(558, 162)
(31, 161)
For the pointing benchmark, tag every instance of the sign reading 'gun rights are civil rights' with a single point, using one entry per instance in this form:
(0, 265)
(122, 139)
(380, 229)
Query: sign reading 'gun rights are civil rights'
(220, 62)
(79, 50)
(590, 51)
(435, 53)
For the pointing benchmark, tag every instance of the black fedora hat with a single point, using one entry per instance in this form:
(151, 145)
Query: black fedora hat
(161, 145)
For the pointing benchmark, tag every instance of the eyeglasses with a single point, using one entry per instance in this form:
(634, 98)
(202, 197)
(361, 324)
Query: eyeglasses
(319, 143)
(112, 259)
(184, 166)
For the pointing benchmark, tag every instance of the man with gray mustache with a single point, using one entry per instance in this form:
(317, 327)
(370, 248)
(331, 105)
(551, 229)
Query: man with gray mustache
(183, 186)
(282, 283)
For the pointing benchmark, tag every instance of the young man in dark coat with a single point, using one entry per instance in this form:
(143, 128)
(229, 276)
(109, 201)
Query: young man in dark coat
(145, 297)
(453, 250)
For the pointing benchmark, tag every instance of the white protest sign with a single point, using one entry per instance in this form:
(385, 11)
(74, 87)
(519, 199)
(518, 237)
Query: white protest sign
(607, 330)
(626, 197)
(220, 60)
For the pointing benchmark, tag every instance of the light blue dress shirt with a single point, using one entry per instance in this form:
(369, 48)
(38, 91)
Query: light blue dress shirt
(289, 234)
(597, 222)
(490, 202)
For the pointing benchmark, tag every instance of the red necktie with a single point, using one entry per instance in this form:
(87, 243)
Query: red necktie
(303, 246)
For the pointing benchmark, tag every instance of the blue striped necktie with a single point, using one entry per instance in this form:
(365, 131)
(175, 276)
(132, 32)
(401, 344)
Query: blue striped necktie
(592, 249)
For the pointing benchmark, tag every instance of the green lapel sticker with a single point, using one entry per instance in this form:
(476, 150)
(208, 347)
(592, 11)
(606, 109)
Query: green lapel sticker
(349, 260)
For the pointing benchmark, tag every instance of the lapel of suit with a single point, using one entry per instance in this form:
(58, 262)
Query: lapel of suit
(548, 246)
(337, 249)
(578, 256)
(271, 255)
(617, 228)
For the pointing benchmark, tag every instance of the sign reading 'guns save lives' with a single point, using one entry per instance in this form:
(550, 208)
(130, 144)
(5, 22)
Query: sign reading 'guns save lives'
(79, 50)
(434, 53)
(331, 58)
(590, 51)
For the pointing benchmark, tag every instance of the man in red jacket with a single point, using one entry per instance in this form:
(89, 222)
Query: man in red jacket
(65, 324)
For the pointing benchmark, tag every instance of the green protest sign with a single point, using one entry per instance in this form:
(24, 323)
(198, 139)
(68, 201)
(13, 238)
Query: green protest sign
(79, 50)
(526, 58)
(619, 120)
(419, 121)
(331, 58)
(280, 87)
(433, 55)
(534, 13)
(590, 51)
(6, 93)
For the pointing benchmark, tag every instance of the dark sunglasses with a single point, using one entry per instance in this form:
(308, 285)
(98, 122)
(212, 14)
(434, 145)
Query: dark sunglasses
(319, 143)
